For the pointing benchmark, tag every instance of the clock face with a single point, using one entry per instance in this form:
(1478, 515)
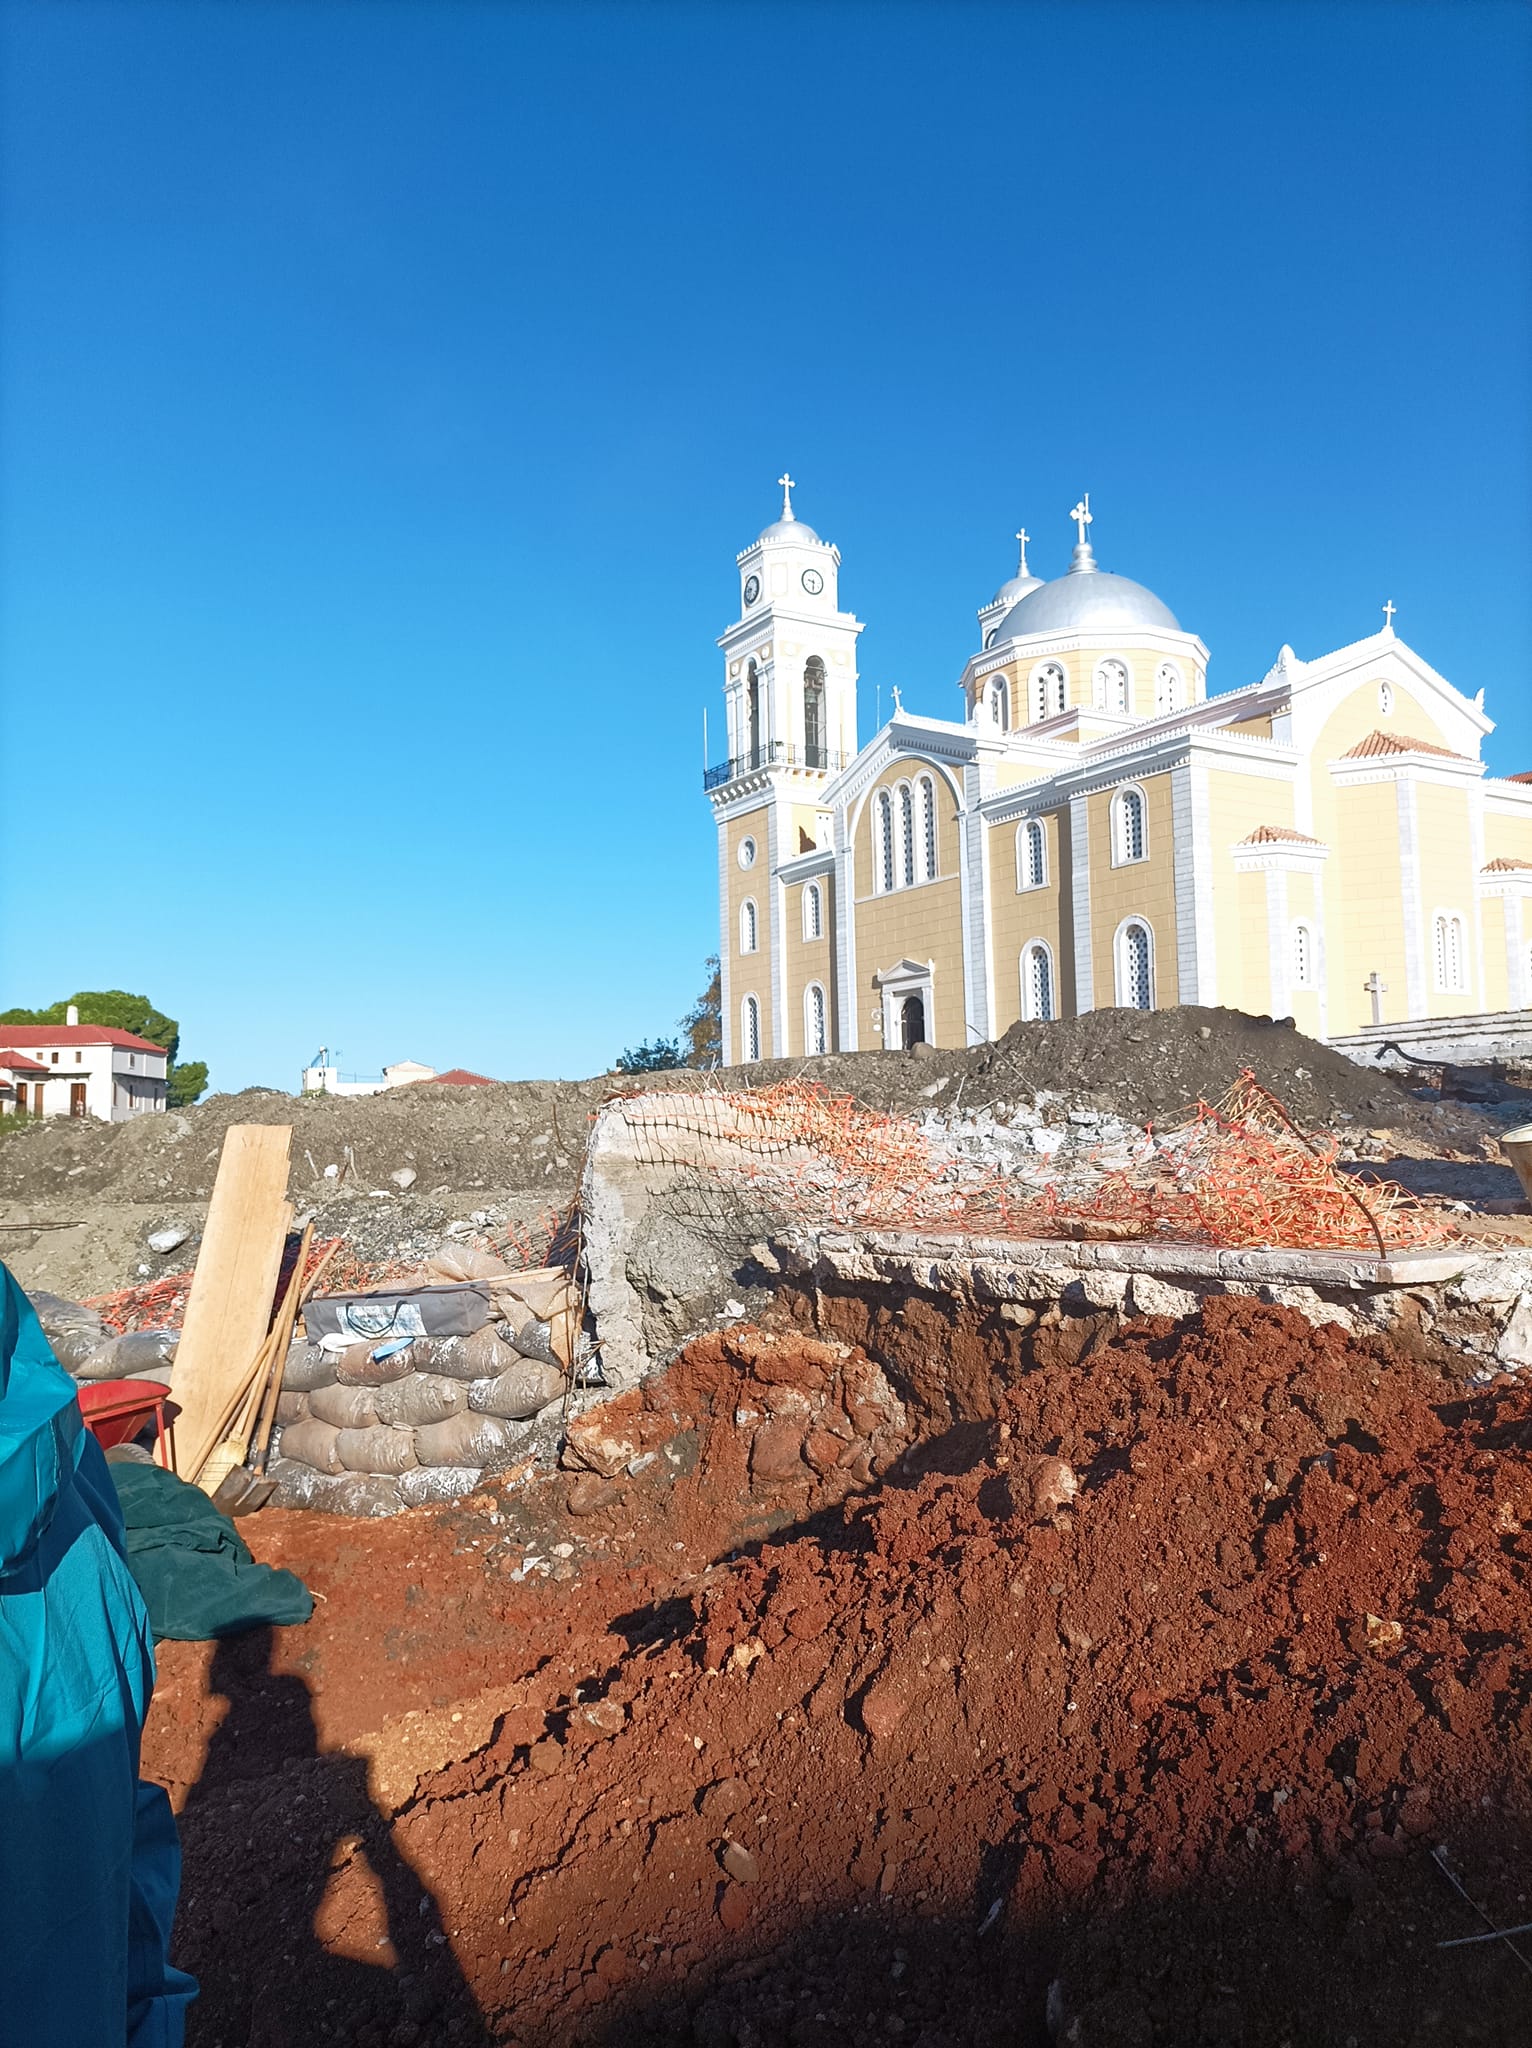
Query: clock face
(752, 589)
(813, 582)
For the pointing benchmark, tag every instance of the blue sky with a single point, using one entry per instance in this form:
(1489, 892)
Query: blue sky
(387, 391)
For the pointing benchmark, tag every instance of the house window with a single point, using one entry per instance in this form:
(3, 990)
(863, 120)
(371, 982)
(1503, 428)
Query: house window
(79, 1059)
(928, 826)
(750, 1029)
(1037, 983)
(1135, 966)
(749, 935)
(1129, 838)
(1449, 953)
(1031, 855)
(1303, 957)
(54, 1057)
(813, 912)
(814, 1034)
(1112, 686)
(132, 1059)
(1167, 687)
(1050, 689)
(907, 834)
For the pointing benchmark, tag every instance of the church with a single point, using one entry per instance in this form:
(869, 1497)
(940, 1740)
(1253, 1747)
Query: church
(1096, 829)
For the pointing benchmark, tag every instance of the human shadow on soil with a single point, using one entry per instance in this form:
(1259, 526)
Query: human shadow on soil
(299, 1915)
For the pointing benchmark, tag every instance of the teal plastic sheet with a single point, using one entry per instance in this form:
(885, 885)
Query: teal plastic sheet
(89, 1862)
(192, 1566)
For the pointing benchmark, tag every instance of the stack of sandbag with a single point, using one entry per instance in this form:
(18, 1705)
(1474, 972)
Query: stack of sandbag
(88, 1350)
(413, 1393)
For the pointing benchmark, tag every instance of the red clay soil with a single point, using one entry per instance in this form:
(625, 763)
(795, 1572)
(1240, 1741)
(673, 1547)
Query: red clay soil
(946, 1757)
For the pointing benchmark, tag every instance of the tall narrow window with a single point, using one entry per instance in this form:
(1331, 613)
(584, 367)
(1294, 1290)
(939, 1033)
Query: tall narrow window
(907, 834)
(814, 714)
(928, 827)
(753, 714)
(813, 911)
(814, 1028)
(1050, 690)
(1135, 966)
(1303, 957)
(1112, 686)
(885, 837)
(1167, 687)
(1031, 855)
(1128, 819)
(1037, 983)
(998, 694)
(1449, 953)
(750, 1029)
(748, 935)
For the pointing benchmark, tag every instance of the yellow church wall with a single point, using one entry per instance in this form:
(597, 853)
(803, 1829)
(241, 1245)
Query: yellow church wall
(1252, 992)
(1364, 905)
(920, 923)
(1447, 883)
(1303, 907)
(1254, 728)
(749, 973)
(1141, 888)
(808, 960)
(1497, 991)
(1017, 916)
(1237, 804)
(1507, 838)
(1359, 713)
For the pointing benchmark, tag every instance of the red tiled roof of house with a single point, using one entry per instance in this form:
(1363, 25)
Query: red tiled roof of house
(1502, 864)
(1398, 743)
(1522, 775)
(76, 1034)
(1265, 835)
(458, 1077)
(18, 1063)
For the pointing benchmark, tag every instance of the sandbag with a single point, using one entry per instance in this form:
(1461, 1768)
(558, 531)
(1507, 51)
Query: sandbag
(306, 1367)
(483, 1440)
(465, 1262)
(344, 1407)
(61, 1318)
(520, 1391)
(479, 1357)
(428, 1485)
(144, 1351)
(422, 1397)
(86, 1357)
(534, 1340)
(376, 1450)
(355, 1493)
(291, 1407)
(373, 1365)
(312, 1443)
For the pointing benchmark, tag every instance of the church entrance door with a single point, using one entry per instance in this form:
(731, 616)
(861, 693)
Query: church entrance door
(912, 1021)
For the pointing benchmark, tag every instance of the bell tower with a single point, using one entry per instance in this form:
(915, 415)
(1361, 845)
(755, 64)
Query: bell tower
(789, 688)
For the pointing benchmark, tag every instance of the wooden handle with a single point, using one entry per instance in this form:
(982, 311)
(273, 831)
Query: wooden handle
(282, 1336)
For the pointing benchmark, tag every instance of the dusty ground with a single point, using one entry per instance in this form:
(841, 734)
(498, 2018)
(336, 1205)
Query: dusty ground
(504, 1154)
(839, 1723)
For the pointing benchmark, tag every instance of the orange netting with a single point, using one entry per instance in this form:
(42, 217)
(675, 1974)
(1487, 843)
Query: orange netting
(1238, 1174)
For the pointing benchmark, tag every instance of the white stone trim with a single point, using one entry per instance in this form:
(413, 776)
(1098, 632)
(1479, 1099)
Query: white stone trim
(906, 978)
(1079, 881)
(1184, 862)
(1202, 881)
(1409, 894)
(1024, 1010)
(725, 948)
(777, 1036)
(848, 1024)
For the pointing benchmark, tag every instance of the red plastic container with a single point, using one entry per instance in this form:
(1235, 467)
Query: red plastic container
(116, 1410)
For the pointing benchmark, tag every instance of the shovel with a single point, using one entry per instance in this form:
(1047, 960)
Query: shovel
(243, 1486)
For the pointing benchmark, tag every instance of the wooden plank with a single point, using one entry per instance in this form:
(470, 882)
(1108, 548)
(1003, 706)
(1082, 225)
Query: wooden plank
(228, 1310)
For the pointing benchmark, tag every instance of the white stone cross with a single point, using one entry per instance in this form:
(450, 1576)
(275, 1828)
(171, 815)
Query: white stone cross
(1377, 989)
(1081, 516)
(1388, 616)
(787, 490)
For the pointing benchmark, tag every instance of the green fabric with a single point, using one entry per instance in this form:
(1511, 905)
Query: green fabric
(193, 1567)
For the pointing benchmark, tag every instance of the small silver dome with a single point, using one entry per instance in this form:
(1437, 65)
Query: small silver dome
(1081, 599)
(1016, 588)
(790, 529)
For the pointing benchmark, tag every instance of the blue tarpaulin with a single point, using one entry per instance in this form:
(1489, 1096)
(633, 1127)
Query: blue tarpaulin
(89, 1862)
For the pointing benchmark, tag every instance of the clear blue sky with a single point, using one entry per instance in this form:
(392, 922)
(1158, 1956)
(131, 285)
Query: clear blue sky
(387, 390)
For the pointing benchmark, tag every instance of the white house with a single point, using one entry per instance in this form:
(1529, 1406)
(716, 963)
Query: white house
(322, 1077)
(77, 1069)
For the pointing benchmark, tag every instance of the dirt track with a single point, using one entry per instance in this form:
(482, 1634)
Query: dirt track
(1180, 1750)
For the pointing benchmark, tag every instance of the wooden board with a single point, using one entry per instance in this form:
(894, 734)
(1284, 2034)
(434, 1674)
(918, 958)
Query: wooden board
(228, 1310)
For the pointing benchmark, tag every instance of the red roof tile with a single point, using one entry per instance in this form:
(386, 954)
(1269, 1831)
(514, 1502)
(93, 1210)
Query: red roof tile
(76, 1034)
(18, 1063)
(1503, 865)
(458, 1077)
(1264, 835)
(1398, 743)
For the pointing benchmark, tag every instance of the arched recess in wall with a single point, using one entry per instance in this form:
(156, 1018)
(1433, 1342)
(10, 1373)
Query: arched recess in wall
(927, 793)
(1048, 690)
(815, 1019)
(749, 926)
(813, 911)
(1031, 854)
(1133, 954)
(815, 743)
(1039, 999)
(997, 701)
(1169, 690)
(1113, 685)
(752, 732)
(750, 1029)
(1130, 830)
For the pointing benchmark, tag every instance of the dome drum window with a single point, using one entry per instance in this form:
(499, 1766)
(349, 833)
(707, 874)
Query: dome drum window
(1113, 685)
(1169, 691)
(1049, 691)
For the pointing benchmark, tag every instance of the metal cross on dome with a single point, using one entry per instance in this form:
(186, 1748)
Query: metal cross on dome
(1081, 516)
(787, 494)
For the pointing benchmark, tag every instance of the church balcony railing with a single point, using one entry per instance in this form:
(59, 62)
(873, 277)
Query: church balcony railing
(773, 754)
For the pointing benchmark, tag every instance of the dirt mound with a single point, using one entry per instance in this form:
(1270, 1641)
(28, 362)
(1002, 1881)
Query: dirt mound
(957, 1756)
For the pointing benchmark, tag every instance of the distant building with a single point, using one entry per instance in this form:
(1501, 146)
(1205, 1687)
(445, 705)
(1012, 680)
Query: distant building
(459, 1077)
(324, 1078)
(75, 1069)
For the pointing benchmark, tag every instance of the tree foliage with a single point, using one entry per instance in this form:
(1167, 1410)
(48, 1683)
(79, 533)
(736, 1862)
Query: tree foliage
(702, 1026)
(117, 1010)
(658, 1058)
(186, 1081)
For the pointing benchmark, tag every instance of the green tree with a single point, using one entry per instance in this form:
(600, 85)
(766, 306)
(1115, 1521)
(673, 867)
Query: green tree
(658, 1058)
(117, 1010)
(702, 1026)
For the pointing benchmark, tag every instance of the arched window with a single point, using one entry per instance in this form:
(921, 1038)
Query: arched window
(1449, 953)
(813, 911)
(1386, 699)
(884, 851)
(1130, 839)
(1135, 965)
(1050, 690)
(1167, 687)
(1031, 854)
(749, 934)
(997, 696)
(1303, 957)
(928, 827)
(1112, 686)
(1037, 1005)
(753, 714)
(815, 1038)
(814, 755)
(907, 835)
(750, 1029)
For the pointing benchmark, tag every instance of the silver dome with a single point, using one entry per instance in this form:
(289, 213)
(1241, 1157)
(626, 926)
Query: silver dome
(1017, 587)
(1081, 599)
(790, 529)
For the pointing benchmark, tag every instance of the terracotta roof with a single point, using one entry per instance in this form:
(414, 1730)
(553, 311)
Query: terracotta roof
(1524, 775)
(77, 1034)
(457, 1077)
(1265, 835)
(18, 1063)
(1503, 865)
(1398, 743)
